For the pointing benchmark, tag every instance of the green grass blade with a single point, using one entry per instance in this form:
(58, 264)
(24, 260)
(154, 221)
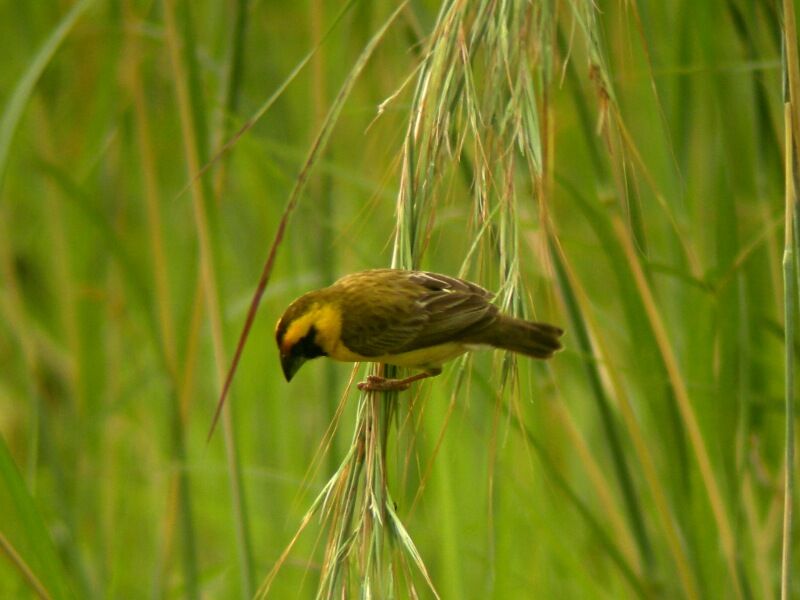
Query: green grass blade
(791, 78)
(12, 113)
(24, 531)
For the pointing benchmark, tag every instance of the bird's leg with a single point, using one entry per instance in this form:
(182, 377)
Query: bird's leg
(376, 383)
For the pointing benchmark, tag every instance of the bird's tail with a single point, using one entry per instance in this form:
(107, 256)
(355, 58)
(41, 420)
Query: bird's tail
(538, 340)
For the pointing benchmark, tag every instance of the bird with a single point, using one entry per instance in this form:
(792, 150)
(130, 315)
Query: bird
(406, 318)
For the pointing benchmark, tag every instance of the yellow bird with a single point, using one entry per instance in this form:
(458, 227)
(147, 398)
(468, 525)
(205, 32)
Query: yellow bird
(405, 318)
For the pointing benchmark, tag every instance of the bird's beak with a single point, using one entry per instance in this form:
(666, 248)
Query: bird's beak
(291, 364)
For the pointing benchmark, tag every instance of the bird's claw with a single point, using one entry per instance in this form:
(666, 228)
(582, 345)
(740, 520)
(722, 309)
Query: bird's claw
(376, 383)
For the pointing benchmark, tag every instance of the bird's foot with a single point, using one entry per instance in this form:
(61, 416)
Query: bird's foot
(376, 383)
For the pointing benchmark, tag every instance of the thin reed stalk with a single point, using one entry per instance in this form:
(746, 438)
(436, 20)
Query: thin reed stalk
(791, 79)
(790, 309)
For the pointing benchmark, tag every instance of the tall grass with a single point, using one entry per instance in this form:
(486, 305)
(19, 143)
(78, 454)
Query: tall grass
(791, 97)
(626, 173)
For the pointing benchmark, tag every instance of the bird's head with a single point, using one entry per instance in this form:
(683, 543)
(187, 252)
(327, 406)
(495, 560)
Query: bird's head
(305, 331)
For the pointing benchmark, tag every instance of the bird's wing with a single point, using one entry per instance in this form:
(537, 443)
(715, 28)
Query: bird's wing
(426, 309)
(454, 309)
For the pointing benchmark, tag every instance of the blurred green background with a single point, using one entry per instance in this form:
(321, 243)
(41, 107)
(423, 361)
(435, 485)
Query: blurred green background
(616, 170)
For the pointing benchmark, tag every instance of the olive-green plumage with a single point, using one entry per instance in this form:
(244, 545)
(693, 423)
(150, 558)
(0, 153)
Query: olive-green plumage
(408, 318)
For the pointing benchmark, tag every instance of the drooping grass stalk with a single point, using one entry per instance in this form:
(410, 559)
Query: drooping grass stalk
(449, 112)
(334, 564)
(363, 520)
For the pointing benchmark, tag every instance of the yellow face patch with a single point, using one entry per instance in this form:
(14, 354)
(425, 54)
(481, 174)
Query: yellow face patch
(325, 318)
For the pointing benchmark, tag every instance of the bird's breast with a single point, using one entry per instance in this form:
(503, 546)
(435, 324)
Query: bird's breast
(432, 356)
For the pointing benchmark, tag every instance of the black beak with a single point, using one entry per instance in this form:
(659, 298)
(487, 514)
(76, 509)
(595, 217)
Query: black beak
(291, 364)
